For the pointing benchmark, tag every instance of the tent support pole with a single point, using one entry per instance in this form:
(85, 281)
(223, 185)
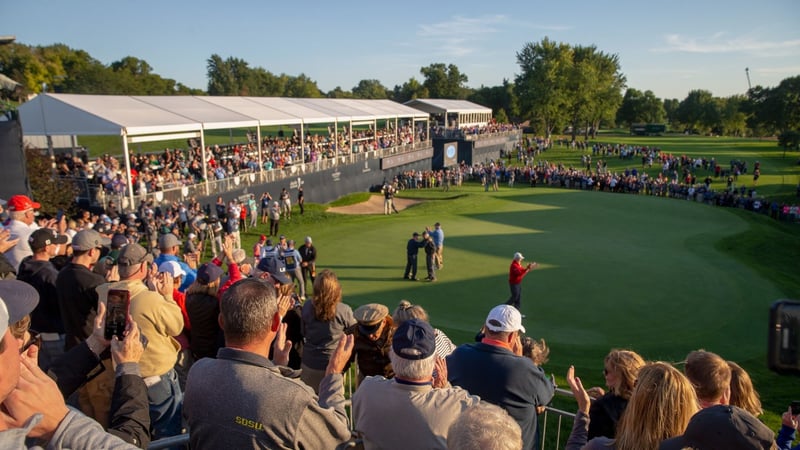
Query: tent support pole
(205, 162)
(127, 154)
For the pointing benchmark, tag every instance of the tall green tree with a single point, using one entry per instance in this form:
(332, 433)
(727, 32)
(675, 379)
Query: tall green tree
(370, 89)
(595, 83)
(696, 111)
(499, 98)
(640, 107)
(338, 92)
(541, 84)
(444, 81)
(302, 86)
(732, 119)
(410, 90)
(670, 109)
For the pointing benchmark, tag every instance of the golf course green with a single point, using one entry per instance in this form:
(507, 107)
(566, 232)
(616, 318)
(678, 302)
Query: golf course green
(658, 275)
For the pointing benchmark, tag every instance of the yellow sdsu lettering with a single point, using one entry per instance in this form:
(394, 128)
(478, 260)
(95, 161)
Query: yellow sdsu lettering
(249, 423)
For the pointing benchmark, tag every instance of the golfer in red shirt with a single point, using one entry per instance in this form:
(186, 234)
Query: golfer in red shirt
(515, 275)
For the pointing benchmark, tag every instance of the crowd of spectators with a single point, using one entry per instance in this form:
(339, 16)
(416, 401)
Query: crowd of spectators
(173, 168)
(237, 336)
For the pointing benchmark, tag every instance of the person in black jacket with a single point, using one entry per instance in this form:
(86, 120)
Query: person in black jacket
(430, 254)
(130, 408)
(202, 307)
(412, 250)
(39, 272)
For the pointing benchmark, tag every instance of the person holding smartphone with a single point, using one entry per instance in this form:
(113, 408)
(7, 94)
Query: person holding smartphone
(160, 319)
(790, 422)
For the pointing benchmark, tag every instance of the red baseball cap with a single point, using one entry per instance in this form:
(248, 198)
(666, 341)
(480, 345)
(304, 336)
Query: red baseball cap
(22, 203)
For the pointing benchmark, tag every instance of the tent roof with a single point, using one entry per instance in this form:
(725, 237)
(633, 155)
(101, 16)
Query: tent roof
(72, 114)
(98, 115)
(442, 106)
(212, 118)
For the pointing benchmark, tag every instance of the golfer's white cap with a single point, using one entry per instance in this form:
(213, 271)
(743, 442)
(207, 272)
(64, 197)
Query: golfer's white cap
(518, 256)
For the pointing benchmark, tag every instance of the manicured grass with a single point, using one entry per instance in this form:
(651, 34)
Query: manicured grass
(780, 175)
(660, 276)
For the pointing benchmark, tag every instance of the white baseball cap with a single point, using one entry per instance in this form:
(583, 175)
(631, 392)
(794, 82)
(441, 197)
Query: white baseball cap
(3, 319)
(172, 268)
(504, 318)
(518, 256)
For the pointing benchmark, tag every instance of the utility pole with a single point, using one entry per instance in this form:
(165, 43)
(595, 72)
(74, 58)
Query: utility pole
(747, 72)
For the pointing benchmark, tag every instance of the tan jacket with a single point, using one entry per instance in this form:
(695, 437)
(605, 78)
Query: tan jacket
(390, 415)
(159, 320)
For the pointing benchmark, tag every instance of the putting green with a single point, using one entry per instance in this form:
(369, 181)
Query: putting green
(616, 271)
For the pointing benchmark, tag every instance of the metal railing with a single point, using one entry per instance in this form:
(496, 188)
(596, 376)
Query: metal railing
(555, 423)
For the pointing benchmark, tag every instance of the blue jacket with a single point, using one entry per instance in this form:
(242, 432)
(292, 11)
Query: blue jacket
(191, 274)
(497, 375)
(438, 236)
(785, 439)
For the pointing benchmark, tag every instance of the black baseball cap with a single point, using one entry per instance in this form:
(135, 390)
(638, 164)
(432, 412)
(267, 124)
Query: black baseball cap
(43, 237)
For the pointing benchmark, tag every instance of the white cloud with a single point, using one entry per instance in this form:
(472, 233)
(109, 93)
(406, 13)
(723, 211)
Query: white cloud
(778, 70)
(459, 36)
(721, 42)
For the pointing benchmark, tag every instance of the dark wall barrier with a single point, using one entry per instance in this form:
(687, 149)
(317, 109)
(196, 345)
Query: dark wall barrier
(12, 161)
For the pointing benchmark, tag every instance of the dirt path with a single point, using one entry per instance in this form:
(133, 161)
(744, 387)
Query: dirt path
(373, 206)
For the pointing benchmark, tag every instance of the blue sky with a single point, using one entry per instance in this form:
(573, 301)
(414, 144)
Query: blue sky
(667, 47)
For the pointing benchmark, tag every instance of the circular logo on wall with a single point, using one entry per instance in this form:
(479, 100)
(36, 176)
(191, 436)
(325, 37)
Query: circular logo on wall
(450, 151)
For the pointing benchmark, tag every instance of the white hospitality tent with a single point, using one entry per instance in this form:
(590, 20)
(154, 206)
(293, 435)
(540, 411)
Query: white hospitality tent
(153, 118)
(453, 113)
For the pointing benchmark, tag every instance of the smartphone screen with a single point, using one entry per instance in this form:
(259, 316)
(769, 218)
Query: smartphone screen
(117, 306)
(796, 407)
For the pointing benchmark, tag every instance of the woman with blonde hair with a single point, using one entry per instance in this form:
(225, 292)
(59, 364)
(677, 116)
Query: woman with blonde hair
(661, 405)
(620, 368)
(743, 394)
(324, 318)
(405, 311)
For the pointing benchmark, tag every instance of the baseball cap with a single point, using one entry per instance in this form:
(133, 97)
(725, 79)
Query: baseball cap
(172, 268)
(89, 239)
(263, 237)
(43, 237)
(276, 268)
(168, 240)
(414, 339)
(3, 319)
(504, 318)
(19, 299)
(22, 203)
(518, 256)
(102, 227)
(133, 254)
(191, 235)
(208, 273)
(722, 426)
(369, 317)
(119, 240)
(308, 240)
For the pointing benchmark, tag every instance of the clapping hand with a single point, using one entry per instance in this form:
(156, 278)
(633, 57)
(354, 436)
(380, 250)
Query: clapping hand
(281, 347)
(578, 391)
(6, 243)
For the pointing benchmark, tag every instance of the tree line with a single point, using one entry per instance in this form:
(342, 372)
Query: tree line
(560, 88)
